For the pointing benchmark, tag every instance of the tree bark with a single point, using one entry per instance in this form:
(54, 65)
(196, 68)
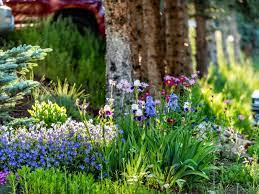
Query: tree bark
(168, 15)
(181, 63)
(151, 30)
(135, 22)
(224, 34)
(118, 53)
(201, 42)
(236, 38)
(211, 38)
(162, 43)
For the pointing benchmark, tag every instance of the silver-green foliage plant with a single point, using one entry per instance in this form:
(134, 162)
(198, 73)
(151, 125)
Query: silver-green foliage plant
(14, 64)
(48, 112)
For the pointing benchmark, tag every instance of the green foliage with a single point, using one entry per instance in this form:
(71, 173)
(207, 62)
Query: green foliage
(65, 95)
(14, 64)
(57, 182)
(48, 112)
(75, 57)
(254, 149)
(227, 92)
(164, 159)
(234, 174)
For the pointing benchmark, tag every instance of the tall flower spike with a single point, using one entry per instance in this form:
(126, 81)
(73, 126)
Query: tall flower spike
(150, 107)
(173, 102)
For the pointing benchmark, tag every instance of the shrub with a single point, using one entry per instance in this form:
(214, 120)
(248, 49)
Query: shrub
(14, 64)
(48, 112)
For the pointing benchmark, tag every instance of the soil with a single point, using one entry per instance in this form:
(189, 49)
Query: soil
(22, 107)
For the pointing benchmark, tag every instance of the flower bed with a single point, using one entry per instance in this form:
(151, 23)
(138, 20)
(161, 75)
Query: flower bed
(61, 145)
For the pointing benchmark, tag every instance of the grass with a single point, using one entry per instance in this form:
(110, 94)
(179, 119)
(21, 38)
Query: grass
(234, 82)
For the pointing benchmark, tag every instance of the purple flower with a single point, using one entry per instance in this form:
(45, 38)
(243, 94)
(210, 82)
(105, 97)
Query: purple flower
(3, 176)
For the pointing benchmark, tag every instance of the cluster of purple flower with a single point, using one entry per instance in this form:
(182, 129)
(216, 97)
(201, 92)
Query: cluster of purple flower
(3, 176)
(127, 87)
(62, 145)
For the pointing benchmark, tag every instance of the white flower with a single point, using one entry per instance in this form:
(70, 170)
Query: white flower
(134, 107)
(107, 108)
(137, 83)
(166, 186)
(144, 85)
(194, 75)
(120, 85)
(112, 82)
(125, 86)
(110, 100)
(187, 106)
(139, 113)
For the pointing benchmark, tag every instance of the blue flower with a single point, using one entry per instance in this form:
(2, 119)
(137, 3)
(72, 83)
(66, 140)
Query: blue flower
(150, 107)
(173, 102)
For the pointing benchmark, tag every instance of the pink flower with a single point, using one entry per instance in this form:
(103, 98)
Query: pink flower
(157, 102)
(169, 80)
(183, 78)
(192, 82)
(227, 101)
(141, 102)
(167, 98)
(241, 117)
(147, 94)
(163, 92)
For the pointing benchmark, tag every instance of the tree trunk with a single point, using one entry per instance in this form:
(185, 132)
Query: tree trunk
(151, 30)
(181, 63)
(135, 22)
(224, 34)
(211, 38)
(201, 42)
(168, 15)
(162, 43)
(118, 54)
(236, 38)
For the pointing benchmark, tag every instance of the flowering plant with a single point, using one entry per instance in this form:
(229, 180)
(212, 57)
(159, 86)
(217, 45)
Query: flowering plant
(3, 176)
(61, 145)
(48, 112)
(167, 103)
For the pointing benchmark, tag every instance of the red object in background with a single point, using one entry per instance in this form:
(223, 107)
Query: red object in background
(87, 13)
